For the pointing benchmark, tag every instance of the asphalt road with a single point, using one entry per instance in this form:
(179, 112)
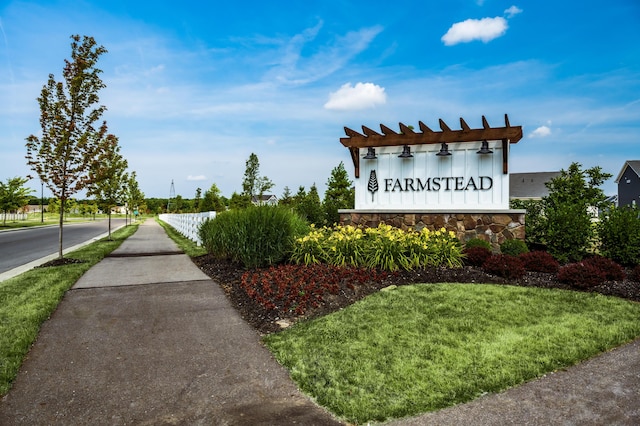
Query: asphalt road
(22, 246)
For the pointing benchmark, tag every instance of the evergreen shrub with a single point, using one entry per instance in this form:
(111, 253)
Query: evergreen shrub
(539, 261)
(477, 242)
(513, 247)
(504, 265)
(619, 233)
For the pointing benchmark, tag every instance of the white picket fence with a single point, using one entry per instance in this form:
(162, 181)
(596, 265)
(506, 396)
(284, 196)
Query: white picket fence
(187, 224)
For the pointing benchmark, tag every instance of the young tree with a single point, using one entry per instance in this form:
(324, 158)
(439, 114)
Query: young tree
(309, 206)
(212, 200)
(197, 200)
(264, 184)
(135, 197)
(88, 208)
(64, 154)
(535, 231)
(339, 195)
(569, 229)
(55, 206)
(108, 177)
(254, 185)
(13, 195)
(286, 199)
(239, 201)
(251, 174)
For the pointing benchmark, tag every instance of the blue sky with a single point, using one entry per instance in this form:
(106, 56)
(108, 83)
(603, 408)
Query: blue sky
(193, 89)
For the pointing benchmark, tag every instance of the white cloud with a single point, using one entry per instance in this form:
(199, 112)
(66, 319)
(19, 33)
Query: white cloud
(360, 96)
(291, 66)
(513, 10)
(540, 132)
(196, 178)
(485, 29)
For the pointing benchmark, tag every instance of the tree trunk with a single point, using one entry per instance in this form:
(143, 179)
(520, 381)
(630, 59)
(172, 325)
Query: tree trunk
(109, 216)
(62, 203)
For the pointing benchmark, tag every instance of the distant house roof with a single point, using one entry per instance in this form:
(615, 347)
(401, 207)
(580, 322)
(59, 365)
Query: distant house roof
(265, 199)
(530, 185)
(633, 165)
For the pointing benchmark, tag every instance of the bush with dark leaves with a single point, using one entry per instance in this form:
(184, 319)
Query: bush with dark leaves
(612, 271)
(539, 261)
(583, 275)
(476, 256)
(504, 265)
(635, 273)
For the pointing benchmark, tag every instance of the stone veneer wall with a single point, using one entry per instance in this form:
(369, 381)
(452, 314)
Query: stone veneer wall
(492, 226)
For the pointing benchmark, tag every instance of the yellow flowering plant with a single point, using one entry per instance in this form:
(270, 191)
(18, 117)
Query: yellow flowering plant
(384, 247)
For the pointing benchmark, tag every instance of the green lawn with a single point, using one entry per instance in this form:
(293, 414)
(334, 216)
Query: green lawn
(190, 248)
(27, 300)
(425, 347)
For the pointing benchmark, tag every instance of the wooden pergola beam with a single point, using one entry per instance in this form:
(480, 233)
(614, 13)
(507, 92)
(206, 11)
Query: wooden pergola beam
(407, 136)
(371, 138)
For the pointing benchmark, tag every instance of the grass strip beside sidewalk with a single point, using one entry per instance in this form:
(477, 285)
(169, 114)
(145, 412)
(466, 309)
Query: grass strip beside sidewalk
(425, 347)
(27, 300)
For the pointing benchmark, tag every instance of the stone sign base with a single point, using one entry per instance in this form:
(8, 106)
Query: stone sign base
(493, 226)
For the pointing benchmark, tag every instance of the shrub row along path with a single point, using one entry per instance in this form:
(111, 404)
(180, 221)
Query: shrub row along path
(144, 337)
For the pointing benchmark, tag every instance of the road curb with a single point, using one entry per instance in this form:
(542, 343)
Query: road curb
(28, 266)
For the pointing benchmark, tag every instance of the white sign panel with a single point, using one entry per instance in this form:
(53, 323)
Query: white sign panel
(463, 181)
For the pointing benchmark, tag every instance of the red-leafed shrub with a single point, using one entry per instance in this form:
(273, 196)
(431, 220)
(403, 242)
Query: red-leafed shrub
(476, 256)
(581, 275)
(297, 288)
(612, 271)
(635, 273)
(504, 265)
(539, 261)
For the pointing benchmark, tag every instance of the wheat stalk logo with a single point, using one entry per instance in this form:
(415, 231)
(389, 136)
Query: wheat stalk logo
(373, 183)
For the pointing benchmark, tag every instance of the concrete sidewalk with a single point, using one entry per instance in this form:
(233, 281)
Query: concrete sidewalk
(146, 338)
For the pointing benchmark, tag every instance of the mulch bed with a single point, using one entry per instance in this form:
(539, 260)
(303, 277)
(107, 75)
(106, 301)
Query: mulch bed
(61, 262)
(228, 275)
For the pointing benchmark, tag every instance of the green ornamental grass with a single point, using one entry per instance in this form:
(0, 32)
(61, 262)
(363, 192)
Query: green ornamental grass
(255, 236)
(425, 347)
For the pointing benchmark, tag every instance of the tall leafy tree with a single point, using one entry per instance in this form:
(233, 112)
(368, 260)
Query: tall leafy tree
(339, 194)
(251, 174)
(134, 196)
(573, 196)
(212, 200)
(109, 177)
(254, 185)
(197, 200)
(69, 117)
(13, 195)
